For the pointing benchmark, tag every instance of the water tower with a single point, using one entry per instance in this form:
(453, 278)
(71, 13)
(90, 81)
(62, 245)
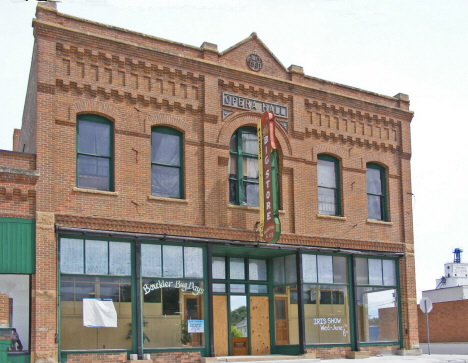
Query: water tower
(457, 255)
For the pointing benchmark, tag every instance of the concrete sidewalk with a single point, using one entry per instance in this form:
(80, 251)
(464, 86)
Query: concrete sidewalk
(433, 358)
(398, 358)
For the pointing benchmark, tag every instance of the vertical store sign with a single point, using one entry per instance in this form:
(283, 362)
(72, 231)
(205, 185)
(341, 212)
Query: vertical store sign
(270, 226)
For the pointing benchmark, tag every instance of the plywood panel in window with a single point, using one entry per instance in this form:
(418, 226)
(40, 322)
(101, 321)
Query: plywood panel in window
(220, 324)
(259, 325)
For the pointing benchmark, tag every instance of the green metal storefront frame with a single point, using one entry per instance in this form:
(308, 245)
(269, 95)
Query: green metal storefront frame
(245, 252)
(204, 351)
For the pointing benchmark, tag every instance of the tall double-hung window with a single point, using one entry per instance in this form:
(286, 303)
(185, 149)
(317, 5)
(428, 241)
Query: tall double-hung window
(376, 193)
(166, 163)
(243, 168)
(328, 179)
(94, 152)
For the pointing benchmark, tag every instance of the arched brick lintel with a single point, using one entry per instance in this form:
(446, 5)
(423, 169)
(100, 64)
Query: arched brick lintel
(97, 108)
(165, 120)
(331, 150)
(381, 160)
(232, 123)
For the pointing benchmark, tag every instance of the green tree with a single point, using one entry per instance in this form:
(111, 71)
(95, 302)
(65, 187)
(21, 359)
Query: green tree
(238, 314)
(235, 333)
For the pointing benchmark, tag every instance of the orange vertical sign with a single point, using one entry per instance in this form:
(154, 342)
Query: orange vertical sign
(269, 221)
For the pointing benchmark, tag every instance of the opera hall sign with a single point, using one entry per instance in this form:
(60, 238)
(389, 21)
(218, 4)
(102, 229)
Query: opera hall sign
(250, 104)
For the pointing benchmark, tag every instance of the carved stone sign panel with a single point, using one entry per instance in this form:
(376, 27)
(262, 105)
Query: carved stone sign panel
(250, 104)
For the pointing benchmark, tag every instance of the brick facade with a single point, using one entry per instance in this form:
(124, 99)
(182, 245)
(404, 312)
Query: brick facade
(138, 82)
(97, 357)
(5, 310)
(445, 322)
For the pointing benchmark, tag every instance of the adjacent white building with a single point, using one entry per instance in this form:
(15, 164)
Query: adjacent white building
(453, 285)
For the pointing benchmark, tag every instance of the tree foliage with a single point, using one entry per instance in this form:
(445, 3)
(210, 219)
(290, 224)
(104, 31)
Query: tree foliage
(238, 314)
(235, 333)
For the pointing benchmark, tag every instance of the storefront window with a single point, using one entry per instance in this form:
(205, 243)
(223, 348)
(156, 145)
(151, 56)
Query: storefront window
(378, 301)
(326, 299)
(14, 309)
(285, 300)
(173, 296)
(286, 315)
(95, 295)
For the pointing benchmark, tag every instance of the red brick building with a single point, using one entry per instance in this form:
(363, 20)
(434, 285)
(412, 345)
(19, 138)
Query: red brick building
(133, 193)
(444, 322)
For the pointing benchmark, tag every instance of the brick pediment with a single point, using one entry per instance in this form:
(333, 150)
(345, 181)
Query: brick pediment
(253, 55)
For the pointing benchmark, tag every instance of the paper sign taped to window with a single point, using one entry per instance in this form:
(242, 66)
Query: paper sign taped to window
(99, 313)
(196, 326)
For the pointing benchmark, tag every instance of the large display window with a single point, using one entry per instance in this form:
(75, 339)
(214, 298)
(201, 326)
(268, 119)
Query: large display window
(285, 300)
(326, 299)
(14, 310)
(95, 294)
(173, 296)
(98, 295)
(377, 300)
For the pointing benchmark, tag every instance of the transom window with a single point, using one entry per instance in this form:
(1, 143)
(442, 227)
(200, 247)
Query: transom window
(376, 193)
(94, 152)
(243, 168)
(166, 163)
(328, 185)
(237, 275)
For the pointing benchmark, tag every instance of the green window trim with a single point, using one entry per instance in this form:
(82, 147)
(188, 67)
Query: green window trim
(169, 131)
(238, 179)
(246, 281)
(337, 187)
(382, 196)
(98, 120)
(396, 287)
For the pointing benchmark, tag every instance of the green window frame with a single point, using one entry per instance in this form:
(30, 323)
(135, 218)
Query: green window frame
(243, 188)
(329, 192)
(167, 171)
(94, 153)
(376, 192)
(251, 279)
(377, 282)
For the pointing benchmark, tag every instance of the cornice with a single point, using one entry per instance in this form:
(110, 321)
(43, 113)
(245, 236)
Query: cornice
(221, 69)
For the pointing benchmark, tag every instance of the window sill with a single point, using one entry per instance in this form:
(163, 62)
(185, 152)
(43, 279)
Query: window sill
(94, 191)
(167, 199)
(248, 207)
(245, 207)
(383, 223)
(336, 218)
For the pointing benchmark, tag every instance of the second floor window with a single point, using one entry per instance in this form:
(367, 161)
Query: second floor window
(243, 167)
(376, 193)
(166, 163)
(94, 152)
(328, 185)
